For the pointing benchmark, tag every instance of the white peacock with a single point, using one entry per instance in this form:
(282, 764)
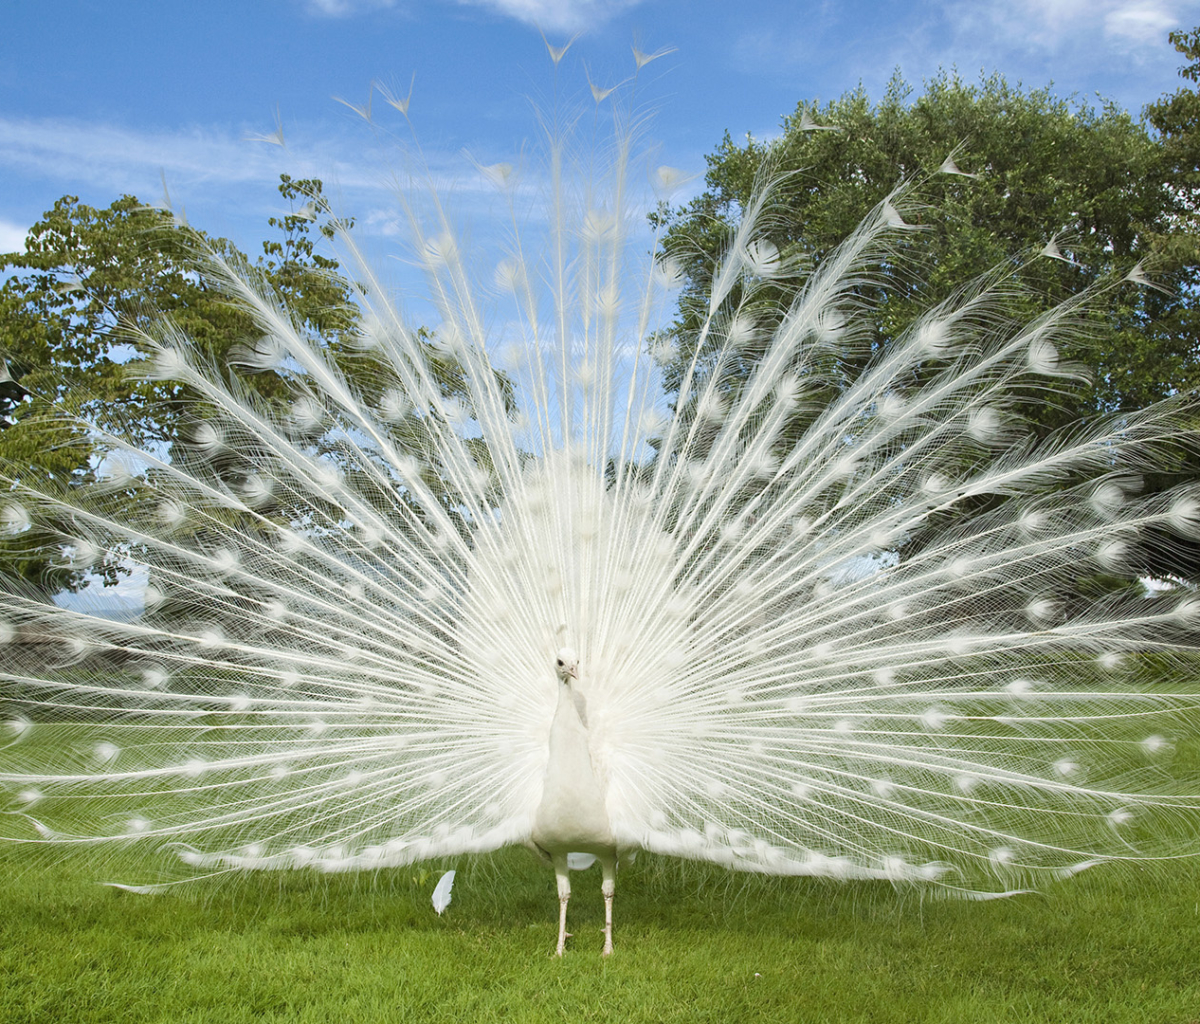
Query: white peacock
(573, 611)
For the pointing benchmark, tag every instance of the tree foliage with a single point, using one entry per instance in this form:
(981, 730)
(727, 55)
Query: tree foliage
(93, 300)
(1177, 120)
(1047, 196)
(89, 284)
(1035, 169)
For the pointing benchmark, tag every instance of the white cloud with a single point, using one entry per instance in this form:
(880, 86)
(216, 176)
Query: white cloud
(227, 184)
(345, 8)
(116, 159)
(1043, 23)
(551, 15)
(12, 236)
(558, 15)
(121, 158)
(1146, 22)
(1062, 24)
(220, 181)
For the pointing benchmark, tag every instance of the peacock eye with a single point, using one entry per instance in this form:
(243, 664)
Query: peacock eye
(560, 661)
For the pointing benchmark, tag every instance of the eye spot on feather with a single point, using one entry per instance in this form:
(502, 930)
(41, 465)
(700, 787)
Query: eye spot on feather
(1067, 768)
(18, 728)
(1155, 745)
(194, 767)
(1002, 856)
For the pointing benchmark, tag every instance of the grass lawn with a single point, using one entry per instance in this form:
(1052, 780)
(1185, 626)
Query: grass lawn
(692, 944)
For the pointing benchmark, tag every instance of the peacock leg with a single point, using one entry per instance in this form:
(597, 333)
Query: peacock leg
(608, 865)
(562, 874)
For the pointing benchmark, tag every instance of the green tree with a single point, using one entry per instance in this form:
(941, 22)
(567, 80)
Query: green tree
(89, 290)
(1098, 183)
(997, 173)
(1177, 120)
(90, 279)
(88, 282)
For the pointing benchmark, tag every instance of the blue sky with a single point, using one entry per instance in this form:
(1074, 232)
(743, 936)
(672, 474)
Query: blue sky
(104, 98)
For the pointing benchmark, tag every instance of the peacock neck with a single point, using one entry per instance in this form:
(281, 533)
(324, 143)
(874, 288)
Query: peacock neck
(572, 811)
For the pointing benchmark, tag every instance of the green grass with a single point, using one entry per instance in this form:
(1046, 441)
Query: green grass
(692, 944)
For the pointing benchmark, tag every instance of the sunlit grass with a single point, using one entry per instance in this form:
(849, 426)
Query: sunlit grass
(1117, 943)
(693, 944)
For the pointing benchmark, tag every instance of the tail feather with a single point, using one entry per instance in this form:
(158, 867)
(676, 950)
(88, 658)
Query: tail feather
(831, 591)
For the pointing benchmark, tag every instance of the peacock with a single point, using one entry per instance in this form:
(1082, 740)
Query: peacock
(811, 605)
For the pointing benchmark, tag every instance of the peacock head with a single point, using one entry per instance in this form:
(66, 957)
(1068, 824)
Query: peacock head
(566, 665)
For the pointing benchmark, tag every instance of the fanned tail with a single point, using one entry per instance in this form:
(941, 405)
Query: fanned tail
(841, 612)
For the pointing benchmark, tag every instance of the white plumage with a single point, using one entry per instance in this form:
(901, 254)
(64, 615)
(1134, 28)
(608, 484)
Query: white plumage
(779, 647)
(572, 815)
(441, 892)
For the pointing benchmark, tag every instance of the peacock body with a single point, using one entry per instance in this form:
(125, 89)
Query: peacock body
(384, 619)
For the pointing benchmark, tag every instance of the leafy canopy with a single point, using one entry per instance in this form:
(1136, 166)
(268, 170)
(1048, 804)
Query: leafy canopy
(89, 282)
(1034, 169)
